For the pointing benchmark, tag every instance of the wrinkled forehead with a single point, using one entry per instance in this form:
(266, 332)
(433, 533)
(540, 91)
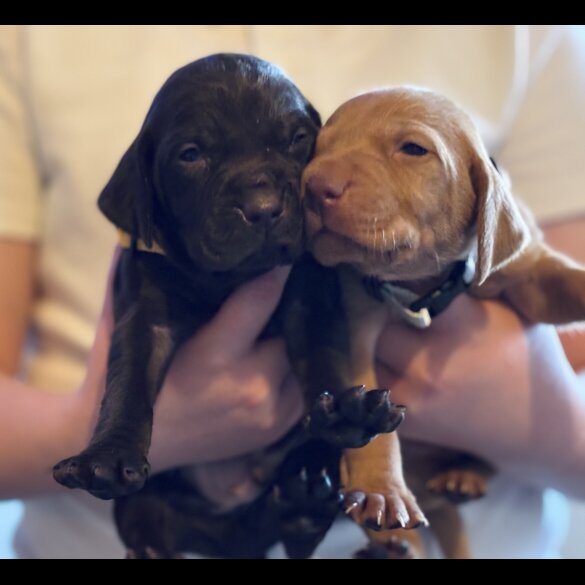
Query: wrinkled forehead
(216, 99)
(394, 113)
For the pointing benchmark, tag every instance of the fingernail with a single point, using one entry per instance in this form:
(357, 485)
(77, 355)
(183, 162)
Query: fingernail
(351, 508)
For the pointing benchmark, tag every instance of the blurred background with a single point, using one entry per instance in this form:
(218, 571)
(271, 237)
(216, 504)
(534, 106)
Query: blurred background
(574, 547)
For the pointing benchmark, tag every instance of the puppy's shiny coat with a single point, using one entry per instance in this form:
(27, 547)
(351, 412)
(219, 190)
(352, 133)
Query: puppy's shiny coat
(401, 187)
(208, 197)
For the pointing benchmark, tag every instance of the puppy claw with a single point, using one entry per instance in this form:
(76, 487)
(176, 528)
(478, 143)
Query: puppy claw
(395, 508)
(372, 524)
(379, 518)
(105, 472)
(322, 487)
(349, 509)
(402, 520)
(420, 521)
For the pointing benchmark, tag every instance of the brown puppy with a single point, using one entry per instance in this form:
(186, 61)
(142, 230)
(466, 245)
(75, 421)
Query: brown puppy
(402, 191)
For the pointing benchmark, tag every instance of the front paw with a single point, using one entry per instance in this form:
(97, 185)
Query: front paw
(351, 419)
(458, 486)
(305, 496)
(393, 547)
(106, 472)
(306, 503)
(395, 508)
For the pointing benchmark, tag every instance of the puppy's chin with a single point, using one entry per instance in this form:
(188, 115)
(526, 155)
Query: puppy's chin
(332, 249)
(247, 259)
(269, 257)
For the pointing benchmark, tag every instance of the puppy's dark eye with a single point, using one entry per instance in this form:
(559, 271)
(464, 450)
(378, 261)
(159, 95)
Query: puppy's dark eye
(300, 135)
(413, 149)
(191, 153)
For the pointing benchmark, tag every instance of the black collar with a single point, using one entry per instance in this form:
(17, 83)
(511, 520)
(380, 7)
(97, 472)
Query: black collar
(421, 311)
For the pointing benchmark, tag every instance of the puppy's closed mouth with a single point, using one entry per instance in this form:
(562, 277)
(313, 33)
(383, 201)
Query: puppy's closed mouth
(329, 241)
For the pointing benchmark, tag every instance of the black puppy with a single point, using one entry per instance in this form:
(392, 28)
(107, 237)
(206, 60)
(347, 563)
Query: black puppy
(207, 197)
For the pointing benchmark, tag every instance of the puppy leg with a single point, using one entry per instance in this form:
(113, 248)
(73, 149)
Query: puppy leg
(318, 342)
(114, 464)
(447, 526)
(145, 337)
(169, 517)
(376, 494)
(147, 525)
(550, 289)
(315, 329)
(306, 497)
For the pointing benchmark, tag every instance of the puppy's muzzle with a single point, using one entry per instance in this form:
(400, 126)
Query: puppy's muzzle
(262, 208)
(324, 190)
(262, 202)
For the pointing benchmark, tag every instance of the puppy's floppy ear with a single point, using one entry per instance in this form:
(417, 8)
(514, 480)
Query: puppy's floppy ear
(127, 200)
(314, 115)
(502, 233)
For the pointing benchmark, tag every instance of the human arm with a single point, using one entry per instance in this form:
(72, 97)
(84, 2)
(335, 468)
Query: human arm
(479, 379)
(568, 236)
(39, 428)
(482, 380)
(217, 378)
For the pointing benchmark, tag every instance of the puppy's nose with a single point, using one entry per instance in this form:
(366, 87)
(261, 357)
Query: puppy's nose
(325, 188)
(262, 208)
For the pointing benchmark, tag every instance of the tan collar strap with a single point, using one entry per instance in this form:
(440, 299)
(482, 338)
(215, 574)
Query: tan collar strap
(125, 240)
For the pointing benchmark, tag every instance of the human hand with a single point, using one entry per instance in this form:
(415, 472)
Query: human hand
(225, 393)
(481, 380)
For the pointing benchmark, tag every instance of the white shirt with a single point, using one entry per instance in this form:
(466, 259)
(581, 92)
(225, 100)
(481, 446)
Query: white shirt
(72, 99)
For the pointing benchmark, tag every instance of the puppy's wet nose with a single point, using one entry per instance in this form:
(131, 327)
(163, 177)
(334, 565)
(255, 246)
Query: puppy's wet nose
(262, 208)
(325, 188)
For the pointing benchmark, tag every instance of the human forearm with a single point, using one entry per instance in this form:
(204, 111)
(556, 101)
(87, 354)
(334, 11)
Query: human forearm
(37, 428)
(568, 236)
(480, 380)
(553, 451)
(560, 463)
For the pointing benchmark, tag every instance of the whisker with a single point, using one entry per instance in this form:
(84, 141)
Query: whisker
(438, 260)
(410, 240)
